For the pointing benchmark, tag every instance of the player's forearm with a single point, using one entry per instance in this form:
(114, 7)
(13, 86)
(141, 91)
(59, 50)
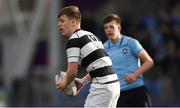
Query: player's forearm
(85, 80)
(88, 77)
(144, 68)
(70, 76)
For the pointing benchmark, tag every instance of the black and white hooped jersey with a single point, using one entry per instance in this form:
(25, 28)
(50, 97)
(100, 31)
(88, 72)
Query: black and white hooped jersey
(87, 49)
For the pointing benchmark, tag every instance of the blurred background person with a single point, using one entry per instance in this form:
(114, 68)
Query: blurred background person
(126, 54)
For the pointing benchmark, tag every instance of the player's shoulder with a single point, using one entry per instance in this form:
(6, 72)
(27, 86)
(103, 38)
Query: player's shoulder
(80, 33)
(129, 38)
(130, 41)
(106, 44)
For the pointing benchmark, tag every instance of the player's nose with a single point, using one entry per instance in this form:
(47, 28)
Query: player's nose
(59, 24)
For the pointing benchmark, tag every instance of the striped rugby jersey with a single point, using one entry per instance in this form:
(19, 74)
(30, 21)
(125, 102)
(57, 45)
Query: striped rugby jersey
(87, 49)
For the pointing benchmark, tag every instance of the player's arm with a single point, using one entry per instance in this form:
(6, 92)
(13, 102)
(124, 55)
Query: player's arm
(71, 74)
(147, 63)
(85, 80)
(80, 82)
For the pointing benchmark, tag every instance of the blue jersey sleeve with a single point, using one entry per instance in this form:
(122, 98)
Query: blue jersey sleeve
(135, 46)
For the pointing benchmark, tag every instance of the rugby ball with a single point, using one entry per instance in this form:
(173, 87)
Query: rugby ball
(71, 89)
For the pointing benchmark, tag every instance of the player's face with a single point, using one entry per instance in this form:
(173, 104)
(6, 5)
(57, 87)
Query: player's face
(65, 25)
(112, 30)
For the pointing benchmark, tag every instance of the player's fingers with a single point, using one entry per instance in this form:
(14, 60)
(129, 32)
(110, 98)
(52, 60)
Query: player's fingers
(63, 90)
(128, 79)
(58, 87)
(78, 85)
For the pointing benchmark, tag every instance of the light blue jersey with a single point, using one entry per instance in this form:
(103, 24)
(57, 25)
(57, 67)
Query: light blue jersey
(124, 55)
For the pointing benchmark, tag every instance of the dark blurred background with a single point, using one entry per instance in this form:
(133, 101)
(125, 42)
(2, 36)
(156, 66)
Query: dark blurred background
(32, 50)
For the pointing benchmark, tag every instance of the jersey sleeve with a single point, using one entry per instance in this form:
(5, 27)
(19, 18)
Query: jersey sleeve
(73, 50)
(135, 46)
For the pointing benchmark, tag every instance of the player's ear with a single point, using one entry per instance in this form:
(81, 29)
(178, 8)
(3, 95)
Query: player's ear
(119, 27)
(73, 21)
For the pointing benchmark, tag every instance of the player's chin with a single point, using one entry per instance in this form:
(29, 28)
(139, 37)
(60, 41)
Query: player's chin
(111, 37)
(63, 34)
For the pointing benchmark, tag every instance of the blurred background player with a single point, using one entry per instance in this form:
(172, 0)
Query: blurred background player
(126, 54)
(86, 49)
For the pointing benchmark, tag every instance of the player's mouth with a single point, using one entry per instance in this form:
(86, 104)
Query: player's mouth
(109, 34)
(61, 30)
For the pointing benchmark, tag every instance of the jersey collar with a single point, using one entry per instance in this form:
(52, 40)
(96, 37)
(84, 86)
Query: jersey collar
(111, 44)
(77, 30)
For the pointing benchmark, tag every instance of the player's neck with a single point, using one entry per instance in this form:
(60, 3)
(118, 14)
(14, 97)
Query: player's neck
(76, 28)
(116, 39)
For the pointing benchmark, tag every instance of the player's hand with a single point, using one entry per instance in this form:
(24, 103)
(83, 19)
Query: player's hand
(78, 83)
(61, 85)
(130, 78)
